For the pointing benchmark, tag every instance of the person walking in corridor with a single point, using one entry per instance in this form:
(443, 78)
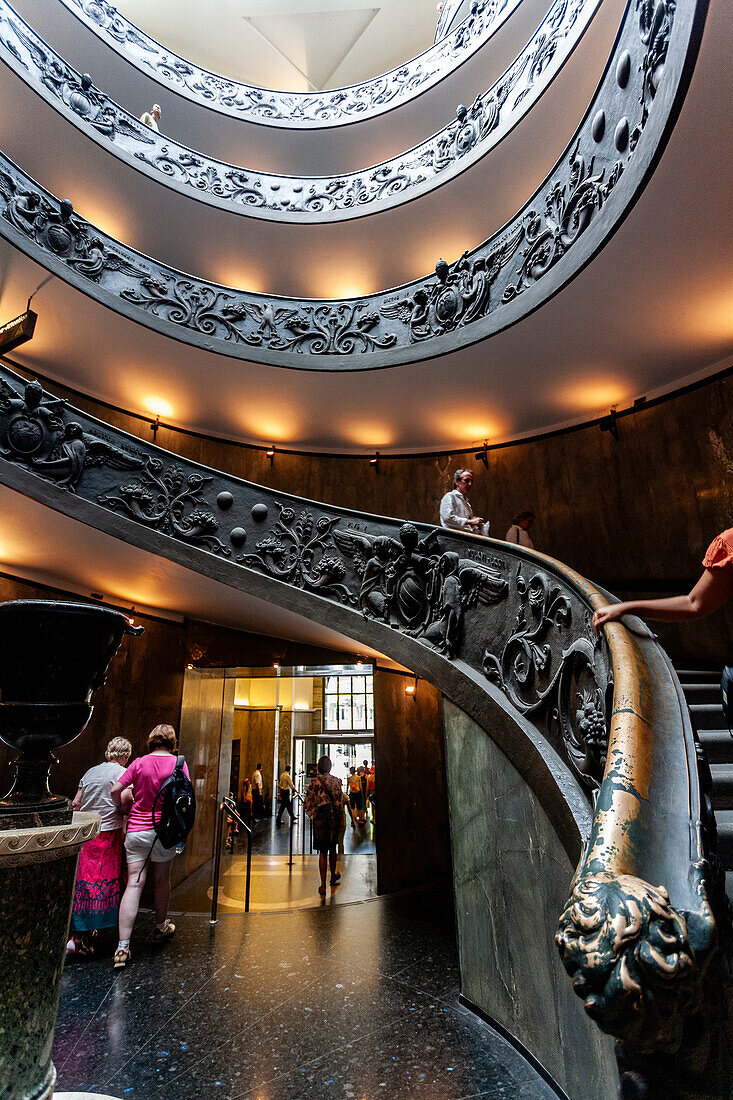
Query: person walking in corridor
(286, 789)
(324, 804)
(258, 802)
(146, 776)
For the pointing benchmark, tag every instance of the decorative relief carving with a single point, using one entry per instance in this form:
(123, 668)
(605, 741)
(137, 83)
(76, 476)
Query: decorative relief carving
(630, 956)
(171, 501)
(455, 303)
(46, 843)
(290, 196)
(33, 433)
(308, 109)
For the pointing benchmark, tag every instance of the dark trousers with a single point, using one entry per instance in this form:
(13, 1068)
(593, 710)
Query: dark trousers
(286, 803)
(258, 805)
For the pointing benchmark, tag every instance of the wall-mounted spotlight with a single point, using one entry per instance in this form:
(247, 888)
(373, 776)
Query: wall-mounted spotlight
(608, 424)
(131, 617)
(270, 452)
(189, 668)
(18, 331)
(374, 462)
(155, 424)
(276, 665)
(411, 687)
(483, 455)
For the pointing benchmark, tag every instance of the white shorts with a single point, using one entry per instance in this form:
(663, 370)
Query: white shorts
(137, 847)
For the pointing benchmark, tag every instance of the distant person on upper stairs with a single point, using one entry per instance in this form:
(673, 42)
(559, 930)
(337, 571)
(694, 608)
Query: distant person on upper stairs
(151, 118)
(713, 589)
(455, 509)
(518, 533)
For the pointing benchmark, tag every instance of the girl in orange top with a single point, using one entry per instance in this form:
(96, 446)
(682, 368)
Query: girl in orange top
(713, 589)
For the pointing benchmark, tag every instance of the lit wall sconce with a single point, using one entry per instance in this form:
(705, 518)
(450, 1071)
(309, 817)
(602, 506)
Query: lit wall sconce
(374, 462)
(483, 455)
(608, 424)
(270, 452)
(276, 664)
(411, 687)
(131, 619)
(189, 668)
(155, 424)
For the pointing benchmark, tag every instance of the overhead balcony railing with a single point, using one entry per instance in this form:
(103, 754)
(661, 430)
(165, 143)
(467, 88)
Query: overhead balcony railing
(295, 110)
(453, 12)
(469, 136)
(569, 218)
(594, 722)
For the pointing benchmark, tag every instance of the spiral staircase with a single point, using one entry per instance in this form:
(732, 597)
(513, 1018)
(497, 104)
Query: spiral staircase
(534, 192)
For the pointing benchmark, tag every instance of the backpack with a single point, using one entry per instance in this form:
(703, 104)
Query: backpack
(726, 687)
(177, 809)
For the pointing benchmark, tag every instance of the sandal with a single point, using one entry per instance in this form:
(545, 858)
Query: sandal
(122, 957)
(160, 935)
(322, 891)
(335, 878)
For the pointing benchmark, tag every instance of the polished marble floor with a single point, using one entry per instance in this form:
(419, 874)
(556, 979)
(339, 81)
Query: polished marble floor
(353, 1001)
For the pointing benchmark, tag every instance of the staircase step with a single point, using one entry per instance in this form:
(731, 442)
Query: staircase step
(702, 693)
(699, 676)
(722, 786)
(707, 716)
(718, 745)
(724, 819)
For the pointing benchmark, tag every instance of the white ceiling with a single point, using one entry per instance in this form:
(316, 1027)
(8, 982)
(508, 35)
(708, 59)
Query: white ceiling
(293, 45)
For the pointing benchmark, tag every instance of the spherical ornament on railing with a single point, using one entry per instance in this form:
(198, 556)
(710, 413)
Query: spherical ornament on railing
(259, 512)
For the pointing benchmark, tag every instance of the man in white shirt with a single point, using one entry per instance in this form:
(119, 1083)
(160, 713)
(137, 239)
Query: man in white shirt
(455, 510)
(286, 788)
(258, 802)
(150, 118)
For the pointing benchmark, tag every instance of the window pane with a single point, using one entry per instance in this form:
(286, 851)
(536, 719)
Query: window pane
(331, 713)
(359, 712)
(370, 713)
(369, 683)
(358, 684)
(344, 685)
(344, 714)
(331, 684)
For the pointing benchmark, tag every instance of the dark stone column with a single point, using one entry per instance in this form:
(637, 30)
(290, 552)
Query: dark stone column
(37, 874)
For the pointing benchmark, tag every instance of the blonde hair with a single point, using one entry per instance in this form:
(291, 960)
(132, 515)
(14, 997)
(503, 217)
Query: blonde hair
(117, 748)
(162, 737)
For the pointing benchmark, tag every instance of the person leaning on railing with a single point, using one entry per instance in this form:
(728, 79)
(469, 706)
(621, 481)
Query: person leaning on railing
(712, 590)
(455, 509)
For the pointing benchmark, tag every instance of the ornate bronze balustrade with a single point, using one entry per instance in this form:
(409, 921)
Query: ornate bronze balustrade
(469, 136)
(546, 244)
(295, 110)
(492, 625)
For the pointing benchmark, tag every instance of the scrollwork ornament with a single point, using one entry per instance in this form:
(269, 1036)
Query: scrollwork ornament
(631, 960)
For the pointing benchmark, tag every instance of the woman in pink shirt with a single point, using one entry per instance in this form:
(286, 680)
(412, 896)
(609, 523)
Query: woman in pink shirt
(146, 775)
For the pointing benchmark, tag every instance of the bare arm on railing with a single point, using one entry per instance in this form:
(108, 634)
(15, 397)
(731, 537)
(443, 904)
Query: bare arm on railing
(713, 589)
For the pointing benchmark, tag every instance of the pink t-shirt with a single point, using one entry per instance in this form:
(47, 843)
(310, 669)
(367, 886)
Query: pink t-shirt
(146, 776)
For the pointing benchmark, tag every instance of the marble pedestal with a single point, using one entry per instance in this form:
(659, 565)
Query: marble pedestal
(37, 874)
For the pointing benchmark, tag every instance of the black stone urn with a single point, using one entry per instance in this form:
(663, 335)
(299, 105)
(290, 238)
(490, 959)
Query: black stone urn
(53, 656)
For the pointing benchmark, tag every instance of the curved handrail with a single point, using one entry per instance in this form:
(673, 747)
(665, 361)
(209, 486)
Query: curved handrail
(493, 626)
(294, 110)
(573, 213)
(468, 137)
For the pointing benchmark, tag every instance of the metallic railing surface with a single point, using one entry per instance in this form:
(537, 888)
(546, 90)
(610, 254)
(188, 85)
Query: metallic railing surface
(295, 110)
(227, 808)
(469, 136)
(570, 217)
(496, 628)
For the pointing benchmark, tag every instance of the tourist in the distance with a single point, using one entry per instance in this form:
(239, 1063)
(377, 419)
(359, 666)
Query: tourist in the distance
(712, 590)
(258, 801)
(146, 776)
(455, 509)
(98, 877)
(324, 803)
(518, 533)
(151, 118)
(286, 790)
(353, 787)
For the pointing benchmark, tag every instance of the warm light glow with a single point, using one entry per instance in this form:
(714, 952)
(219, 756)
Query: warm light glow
(189, 667)
(301, 706)
(711, 317)
(272, 429)
(241, 278)
(470, 428)
(275, 664)
(338, 281)
(410, 689)
(158, 406)
(102, 214)
(594, 394)
(368, 433)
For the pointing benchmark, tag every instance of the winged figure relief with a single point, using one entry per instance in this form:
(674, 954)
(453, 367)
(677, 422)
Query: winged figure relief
(78, 451)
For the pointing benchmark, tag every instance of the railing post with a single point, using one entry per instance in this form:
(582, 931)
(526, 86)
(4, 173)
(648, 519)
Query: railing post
(217, 865)
(249, 870)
